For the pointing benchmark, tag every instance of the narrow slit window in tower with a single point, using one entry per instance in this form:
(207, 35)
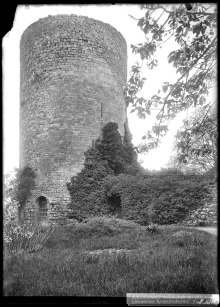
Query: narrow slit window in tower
(101, 109)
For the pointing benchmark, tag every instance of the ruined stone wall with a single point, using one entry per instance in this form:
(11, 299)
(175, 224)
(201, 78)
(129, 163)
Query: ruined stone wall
(73, 70)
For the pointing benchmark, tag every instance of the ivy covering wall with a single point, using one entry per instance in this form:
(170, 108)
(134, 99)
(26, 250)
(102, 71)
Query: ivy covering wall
(112, 182)
(108, 156)
(160, 198)
(24, 184)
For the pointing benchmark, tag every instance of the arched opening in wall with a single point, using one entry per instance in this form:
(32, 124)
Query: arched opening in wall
(115, 205)
(42, 208)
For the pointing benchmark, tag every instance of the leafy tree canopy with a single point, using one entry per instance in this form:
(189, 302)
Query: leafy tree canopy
(194, 32)
(195, 142)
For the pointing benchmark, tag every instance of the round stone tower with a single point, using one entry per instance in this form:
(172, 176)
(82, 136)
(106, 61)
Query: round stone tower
(73, 70)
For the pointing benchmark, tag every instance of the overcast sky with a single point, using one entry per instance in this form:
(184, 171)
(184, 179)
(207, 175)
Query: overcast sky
(118, 17)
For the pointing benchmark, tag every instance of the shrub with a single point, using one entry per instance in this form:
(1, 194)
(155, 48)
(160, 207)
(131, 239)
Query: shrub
(86, 189)
(27, 237)
(18, 236)
(204, 223)
(164, 198)
(108, 156)
(111, 182)
(132, 192)
(152, 228)
(21, 237)
(25, 182)
(110, 147)
(118, 151)
(189, 193)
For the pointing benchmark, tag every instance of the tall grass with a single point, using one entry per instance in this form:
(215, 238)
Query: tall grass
(27, 237)
(112, 264)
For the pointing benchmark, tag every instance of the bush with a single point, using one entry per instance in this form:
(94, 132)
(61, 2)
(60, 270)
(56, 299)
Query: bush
(112, 182)
(132, 192)
(152, 228)
(119, 152)
(18, 236)
(86, 189)
(29, 237)
(164, 198)
(204, 223)
(25, 183)
(187, 194)
(108, 156)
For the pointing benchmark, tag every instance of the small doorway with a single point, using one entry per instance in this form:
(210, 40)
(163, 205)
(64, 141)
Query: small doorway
(115, 203)
(42, 208)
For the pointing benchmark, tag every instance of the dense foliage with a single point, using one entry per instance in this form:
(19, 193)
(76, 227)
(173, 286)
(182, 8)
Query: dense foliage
(10, 209)
(160, 197)
(119, 154)
(17, 189)
(196, 142)
(108, 156)
(193, 35)
(24, 184)
(20, 237)
(86, 189)
(111, 184)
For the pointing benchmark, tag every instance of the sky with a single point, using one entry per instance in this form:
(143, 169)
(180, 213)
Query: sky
(118, 17)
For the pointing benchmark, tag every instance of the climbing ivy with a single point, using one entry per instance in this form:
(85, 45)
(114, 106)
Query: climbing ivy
(109, 155)
(24, 184)
(162, 197)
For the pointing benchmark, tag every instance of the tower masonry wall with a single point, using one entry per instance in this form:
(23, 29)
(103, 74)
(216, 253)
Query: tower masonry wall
(72, 73)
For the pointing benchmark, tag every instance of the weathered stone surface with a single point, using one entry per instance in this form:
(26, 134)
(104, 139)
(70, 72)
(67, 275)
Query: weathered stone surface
(73, 70)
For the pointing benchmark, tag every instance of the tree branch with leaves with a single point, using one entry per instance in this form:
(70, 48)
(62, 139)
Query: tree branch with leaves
(194, 32)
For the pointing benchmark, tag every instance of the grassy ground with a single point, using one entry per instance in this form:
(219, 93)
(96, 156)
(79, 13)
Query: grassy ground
(84, 260)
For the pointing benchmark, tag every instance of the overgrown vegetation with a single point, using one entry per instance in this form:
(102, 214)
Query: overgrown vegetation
(112, 183)
(24, 184)
(197, 141)
(108, 156)
(193, 35)
(111, 257)
(163, 197)
(25, 237)
(118, 152)
(21, 236)
(86, 189)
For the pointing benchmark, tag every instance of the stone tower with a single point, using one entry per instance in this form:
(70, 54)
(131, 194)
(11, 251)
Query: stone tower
(73, 70)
